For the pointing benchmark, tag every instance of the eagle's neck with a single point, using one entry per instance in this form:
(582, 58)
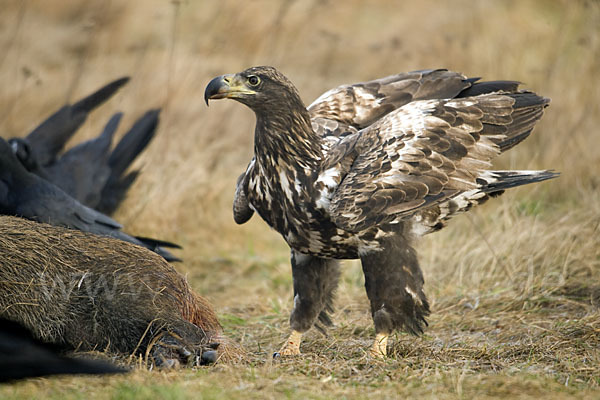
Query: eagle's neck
(285, 139)
(287, 154)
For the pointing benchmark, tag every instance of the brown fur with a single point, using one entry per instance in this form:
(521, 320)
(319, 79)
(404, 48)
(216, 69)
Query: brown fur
(90, 292)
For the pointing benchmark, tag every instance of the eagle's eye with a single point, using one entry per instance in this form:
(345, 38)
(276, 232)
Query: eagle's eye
(253, 80)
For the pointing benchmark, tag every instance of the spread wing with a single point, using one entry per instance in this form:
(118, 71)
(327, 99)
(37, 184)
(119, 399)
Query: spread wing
(83, 170)
(361, 104)
(124, 154)
(428, 152)
(49, 138)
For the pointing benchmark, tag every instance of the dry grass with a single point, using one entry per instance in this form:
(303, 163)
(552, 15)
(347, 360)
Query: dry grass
(515, 285)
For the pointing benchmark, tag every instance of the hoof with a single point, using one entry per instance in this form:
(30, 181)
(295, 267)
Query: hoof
(172, 352)
(208, 357)
(169, 363)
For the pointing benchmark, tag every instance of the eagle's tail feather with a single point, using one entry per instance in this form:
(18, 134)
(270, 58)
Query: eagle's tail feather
(491, 184)
(494, 181)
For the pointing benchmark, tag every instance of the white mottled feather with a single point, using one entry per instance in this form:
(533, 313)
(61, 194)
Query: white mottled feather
(330, 178)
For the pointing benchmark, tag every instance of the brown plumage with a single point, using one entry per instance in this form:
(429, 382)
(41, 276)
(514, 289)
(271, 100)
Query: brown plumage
(365, 168)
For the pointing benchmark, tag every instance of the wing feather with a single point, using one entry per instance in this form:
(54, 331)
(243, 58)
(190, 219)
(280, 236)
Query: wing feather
(426, 153)
(361, 104)
(242, 212)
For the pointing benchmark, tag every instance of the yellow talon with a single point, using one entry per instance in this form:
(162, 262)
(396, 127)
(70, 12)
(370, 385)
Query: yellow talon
(292, 345)
(379, 347)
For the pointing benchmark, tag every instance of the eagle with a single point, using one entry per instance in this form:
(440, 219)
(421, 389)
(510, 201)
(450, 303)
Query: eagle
(365, 170)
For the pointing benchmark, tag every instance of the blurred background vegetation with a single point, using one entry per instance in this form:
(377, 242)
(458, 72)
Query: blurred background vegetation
(517, 251)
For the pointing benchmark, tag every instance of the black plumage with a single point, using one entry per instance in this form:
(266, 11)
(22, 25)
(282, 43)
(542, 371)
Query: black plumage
(90, 172)
(27, 195)
(368, 167)
(23, 356)
(96, 176)
(125, 152)
(44, 143)
(83, 170)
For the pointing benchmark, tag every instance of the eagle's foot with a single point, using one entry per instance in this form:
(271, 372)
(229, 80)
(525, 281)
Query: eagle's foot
(291, 346)
(379, 347)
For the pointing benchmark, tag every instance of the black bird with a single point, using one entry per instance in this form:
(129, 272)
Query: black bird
(83, 170)
(90, 172)
(129, 147)
(23, 356)
(41, 147)
(27, 195)
(365, 169)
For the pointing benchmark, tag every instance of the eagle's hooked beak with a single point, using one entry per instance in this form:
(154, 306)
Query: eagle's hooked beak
(226, 86)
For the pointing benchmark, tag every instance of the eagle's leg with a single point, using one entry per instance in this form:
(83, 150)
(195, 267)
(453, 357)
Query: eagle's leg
(394, 284)
(315, 281)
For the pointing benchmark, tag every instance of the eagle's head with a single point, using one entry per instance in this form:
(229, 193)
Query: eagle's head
(260, 88)
(283, 125)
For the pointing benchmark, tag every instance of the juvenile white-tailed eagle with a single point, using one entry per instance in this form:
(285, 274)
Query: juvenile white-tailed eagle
(365, 169)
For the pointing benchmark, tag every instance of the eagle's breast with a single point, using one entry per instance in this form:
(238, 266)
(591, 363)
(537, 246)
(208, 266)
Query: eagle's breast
(296, 204)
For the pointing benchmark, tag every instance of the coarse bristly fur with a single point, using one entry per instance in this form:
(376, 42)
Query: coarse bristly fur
(368, 167)
(89, 292)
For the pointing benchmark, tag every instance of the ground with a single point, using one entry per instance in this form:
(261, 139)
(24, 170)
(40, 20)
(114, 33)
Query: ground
(514, 285)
